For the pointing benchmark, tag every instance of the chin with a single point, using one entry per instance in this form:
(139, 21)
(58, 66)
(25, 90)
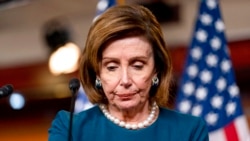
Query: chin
(127, 104)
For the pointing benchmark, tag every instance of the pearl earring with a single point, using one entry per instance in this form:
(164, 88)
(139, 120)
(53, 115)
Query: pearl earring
(155, 81)
(98, 84)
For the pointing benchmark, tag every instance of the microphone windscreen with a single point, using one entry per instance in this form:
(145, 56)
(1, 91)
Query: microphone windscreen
(74, 84)
(8, 89)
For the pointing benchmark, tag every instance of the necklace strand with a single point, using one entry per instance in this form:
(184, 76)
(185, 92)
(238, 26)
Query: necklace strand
(143, 124)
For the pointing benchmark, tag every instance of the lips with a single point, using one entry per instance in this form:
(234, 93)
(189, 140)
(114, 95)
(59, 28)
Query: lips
(125, 95)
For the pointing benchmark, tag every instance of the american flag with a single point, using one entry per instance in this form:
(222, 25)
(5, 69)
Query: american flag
(208, 88)
(103, 5)
(82, 102)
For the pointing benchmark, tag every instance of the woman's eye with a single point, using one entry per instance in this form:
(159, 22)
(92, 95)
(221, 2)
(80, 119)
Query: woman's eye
(111, 68)
(138, 66)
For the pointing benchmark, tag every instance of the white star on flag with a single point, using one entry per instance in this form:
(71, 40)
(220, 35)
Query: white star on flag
(219, 26)
(233, 90)
(201, 93)
(197, 110)
(206, 19)
(230, 108)
(216, 43)
(211, 4)
(225, 66)
(206, 76)
(221, 84)
(217, 101)
(102, 6)
(201, 35)
(188, 88)
(196, 53)
(185, 106)
(192, 70)
(212, 60)
(211, 118)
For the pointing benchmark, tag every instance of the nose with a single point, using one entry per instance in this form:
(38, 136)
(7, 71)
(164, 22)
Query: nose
(125, 79)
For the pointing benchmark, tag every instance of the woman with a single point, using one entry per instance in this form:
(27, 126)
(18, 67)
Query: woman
(126, 71)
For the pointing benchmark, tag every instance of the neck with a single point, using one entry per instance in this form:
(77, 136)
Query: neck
(151, 117)
(133, 115)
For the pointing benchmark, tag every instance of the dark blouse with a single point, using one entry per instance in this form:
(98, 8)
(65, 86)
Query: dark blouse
(92, 125)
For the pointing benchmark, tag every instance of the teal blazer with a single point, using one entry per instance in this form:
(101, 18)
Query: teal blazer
(92, 125)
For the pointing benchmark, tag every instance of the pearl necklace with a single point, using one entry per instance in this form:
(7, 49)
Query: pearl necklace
(140, 125)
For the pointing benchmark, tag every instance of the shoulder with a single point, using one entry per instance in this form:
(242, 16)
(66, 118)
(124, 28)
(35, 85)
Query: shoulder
(185, 124)
(60, 124)
(180, 117)
(63, 115)
(87, 114)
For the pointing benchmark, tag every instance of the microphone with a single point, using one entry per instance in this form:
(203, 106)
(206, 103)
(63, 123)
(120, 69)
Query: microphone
(74, 86)
(6, 90)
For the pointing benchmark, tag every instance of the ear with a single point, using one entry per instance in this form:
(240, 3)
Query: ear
(97, 77)
(155, 74)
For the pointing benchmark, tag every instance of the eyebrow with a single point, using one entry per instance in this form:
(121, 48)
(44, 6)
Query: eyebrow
(113, 59)
(146, 57)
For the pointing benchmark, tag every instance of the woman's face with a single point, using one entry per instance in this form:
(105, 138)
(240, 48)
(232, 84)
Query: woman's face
(127, 69)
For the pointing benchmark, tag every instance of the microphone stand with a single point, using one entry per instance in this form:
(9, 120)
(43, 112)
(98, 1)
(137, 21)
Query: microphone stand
(74, 86)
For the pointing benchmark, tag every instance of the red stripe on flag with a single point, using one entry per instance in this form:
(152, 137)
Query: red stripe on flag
(230, 132)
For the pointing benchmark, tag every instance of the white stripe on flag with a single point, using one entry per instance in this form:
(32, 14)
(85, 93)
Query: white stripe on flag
(217, 135)
(242, 128)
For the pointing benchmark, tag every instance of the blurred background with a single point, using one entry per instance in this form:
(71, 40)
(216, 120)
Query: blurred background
(27, 52)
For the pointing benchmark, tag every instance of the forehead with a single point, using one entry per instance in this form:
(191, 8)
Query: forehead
(128, 45)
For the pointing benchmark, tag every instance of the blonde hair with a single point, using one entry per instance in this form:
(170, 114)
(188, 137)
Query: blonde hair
(116, 23)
